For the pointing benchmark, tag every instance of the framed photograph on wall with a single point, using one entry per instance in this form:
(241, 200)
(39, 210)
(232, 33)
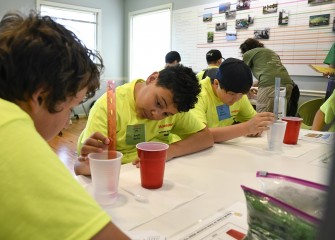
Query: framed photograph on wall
(241, 23)
(270, 8)
(231, 35)
(221, 26)
(283, 17)
(242, 4)
(210, 37)
(319, 20)
(319, 1)
(207, 17)
(230, 14)
(262, 33)
(224, 7)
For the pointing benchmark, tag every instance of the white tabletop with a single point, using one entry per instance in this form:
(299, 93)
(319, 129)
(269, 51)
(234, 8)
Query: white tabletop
(211, 180)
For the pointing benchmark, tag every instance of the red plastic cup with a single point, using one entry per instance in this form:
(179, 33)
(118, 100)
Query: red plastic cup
(152, 157)
(292, 129)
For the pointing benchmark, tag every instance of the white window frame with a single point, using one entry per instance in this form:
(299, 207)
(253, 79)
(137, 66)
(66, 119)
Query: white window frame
(145, 11)
(96, 11)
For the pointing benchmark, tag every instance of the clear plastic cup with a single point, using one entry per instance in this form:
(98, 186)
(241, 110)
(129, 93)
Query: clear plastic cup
(275, 135)
(105, 172)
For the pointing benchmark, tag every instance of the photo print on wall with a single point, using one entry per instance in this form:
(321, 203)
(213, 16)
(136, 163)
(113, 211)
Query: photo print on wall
(224, 7)
(221, 26)
(210, 37)
(283, 17)
(242, 4)
(231, 35)
(241, 23)
(230, 15)
(271, 8)
(319, 1)
(262, 33)
(319, 20)
(207, 17)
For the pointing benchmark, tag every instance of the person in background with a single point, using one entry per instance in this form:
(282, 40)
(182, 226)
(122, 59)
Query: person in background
(214, 59)
(150, 110)
(223, 103)
(45, 71)
(330, 60)
(265, 65)
(172, 58)
(325, 115)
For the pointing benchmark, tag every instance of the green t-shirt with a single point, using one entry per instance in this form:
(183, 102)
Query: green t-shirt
(130, 129)
(211, 111)
(330, 58)
(40, 199)
(328, 108)
(266, 65)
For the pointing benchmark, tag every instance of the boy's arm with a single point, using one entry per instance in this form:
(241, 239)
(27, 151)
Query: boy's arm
(194, 143)
(110, 231)
(318, 121)
(254, 126)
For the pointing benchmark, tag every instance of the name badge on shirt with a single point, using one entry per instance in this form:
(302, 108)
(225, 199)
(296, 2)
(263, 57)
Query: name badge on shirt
(223, 112)
(135, 134)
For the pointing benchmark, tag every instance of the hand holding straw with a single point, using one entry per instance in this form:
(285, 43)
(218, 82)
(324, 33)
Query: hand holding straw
(276, 99)
(111, 118)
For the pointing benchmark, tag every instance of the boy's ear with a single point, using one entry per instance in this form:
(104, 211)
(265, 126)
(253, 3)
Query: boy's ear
(216, 83)
(152, 77)
(37, 101)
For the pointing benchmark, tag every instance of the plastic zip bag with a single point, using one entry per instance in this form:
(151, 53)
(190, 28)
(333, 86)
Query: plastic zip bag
(304, 195)
(270, 218)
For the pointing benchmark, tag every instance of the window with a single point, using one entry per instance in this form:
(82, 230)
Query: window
(84, 22)
(150, 40)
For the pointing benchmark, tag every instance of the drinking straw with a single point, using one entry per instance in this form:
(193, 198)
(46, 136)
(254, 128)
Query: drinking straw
(111, 118)
(276, 99)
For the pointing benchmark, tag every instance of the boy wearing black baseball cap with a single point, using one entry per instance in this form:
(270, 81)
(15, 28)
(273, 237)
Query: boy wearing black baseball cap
(214, 59)
(222, 103)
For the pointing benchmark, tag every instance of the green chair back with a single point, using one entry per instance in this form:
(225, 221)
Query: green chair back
(307, 111)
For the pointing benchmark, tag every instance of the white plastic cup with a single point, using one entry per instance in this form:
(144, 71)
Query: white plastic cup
(275, 135)
(105, 172)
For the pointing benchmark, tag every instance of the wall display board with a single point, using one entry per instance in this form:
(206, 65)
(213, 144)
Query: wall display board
(301, 32)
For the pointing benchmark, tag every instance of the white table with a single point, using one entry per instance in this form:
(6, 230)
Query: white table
(218, 173)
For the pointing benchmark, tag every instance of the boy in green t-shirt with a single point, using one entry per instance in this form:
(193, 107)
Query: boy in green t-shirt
(214, 59)
(45, 71)
(148, 110)
(222, 103)
(325, 115)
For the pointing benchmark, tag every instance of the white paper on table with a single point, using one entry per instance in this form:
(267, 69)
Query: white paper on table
(261, 146)
(129, 213)
(218, 225)
(317, 136)
(145, 235)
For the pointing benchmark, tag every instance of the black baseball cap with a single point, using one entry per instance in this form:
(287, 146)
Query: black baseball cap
(213, 55)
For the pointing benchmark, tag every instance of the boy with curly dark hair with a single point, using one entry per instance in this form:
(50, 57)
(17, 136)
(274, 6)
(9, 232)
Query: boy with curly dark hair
(149, 110)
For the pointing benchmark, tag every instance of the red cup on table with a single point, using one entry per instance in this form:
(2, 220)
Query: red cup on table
(292, 129)
(152, 156)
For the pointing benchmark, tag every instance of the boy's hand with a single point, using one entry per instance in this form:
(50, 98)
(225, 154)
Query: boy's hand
(94, 144)
(260, 123)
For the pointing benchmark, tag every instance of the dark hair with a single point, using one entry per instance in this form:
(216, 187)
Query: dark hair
(183, 84)
(38, 53)
(249, 44)
(172, 56)
(235, 76)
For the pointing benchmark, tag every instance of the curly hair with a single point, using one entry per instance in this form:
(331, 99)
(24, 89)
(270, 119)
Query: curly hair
(38, 53)
(249, 44)
(184, 85)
